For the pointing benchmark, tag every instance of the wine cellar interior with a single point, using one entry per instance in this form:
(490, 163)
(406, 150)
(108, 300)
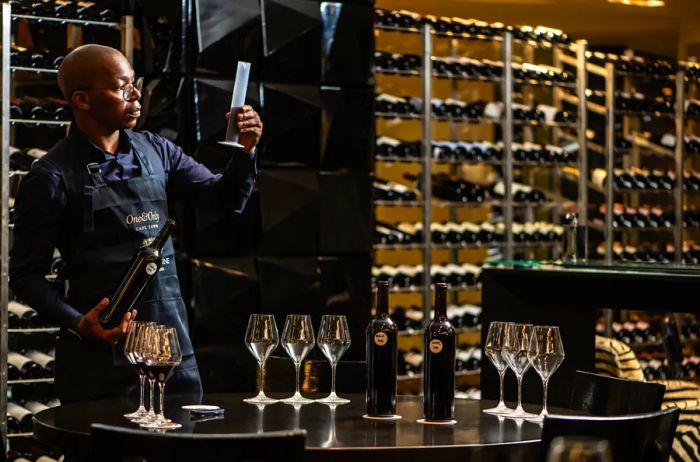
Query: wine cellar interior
(420, 145)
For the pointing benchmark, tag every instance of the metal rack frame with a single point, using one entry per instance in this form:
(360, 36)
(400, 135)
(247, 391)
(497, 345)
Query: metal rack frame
(507, 124)
(126, 28)
(610, 75)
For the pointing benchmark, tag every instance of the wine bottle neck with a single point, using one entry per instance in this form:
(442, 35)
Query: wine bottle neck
(165, 232)
(383, 299)
(440, 300)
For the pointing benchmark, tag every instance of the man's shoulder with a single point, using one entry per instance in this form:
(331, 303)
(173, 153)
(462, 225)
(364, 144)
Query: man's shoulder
(56, 160)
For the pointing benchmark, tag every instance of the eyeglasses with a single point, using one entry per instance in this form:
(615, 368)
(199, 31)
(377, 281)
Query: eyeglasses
(127, 90)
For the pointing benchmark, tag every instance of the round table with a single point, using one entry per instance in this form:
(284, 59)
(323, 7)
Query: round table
(332, 430)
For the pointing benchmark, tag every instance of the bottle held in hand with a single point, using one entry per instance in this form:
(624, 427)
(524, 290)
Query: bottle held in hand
(145, 265)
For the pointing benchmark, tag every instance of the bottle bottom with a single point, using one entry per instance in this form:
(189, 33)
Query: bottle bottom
(382, 417)
(436, 422)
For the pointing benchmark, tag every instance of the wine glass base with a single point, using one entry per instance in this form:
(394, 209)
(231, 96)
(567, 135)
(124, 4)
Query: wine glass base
(231, 143)
(436, 422)
(499, 410)
(520, 415)
(161, 425)
(297, 399)
(382, 417)
(136, 414)
(261, 399)
(333, 399)
(148, 418)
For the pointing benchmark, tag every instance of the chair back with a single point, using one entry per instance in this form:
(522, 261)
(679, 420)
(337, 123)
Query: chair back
(633, 438)
(607, 396)
(118, 444)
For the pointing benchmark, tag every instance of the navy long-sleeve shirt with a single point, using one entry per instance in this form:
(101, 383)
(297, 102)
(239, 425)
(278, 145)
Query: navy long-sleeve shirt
(40, 204)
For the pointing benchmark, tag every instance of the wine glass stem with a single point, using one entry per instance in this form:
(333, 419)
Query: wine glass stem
(161, 387)
(297, 366)
(152, 384)
(544, 398)
(333, 379)
(501, 376)
(520, 391)
(261, 365)
(142, 381)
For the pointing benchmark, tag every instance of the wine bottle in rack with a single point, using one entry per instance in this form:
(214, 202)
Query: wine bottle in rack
(45, 361)
(26, 368)
(381, 341)
(390, 191)
(439, 363)
(26, 317)
(19, 418)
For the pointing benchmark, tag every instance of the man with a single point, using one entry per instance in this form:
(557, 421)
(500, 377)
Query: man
(82, 197)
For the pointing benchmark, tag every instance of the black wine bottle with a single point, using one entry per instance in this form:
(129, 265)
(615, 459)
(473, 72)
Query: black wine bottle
(28, 317)
(22, 416)
(381, 341)
(439, 363)
(27, 368)
(145, 265)
(42, 359)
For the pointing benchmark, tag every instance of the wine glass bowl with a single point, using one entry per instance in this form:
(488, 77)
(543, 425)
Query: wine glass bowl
(163, 356)
(135, 327)
(333, 340)
(297, 340)
(515, 351)
(545, 353)
(261, 339)
(495, 339)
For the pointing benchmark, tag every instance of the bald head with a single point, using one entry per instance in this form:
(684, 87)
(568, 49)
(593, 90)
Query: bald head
(90, 66)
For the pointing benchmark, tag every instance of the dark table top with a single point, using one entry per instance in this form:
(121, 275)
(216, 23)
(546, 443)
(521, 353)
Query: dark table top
(340, 428)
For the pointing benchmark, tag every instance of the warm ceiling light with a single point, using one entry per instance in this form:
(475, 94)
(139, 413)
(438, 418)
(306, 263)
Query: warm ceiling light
(647, 3)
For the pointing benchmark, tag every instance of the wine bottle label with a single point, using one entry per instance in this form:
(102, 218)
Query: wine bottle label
(386, 140)
(380, 338)
(435, 346)
(151, 268)
(40, 358)
(36, 153)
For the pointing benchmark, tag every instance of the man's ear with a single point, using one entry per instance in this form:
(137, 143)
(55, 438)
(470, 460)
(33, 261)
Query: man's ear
(80, 100)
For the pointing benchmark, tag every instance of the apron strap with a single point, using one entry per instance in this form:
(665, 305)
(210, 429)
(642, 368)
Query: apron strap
(93, 172)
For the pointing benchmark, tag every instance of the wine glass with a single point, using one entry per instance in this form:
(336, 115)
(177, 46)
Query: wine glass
(297, 340)
(333, 340)
(261, 338)
(515, 350)
(135, 327)
(495, 338)
(545, 353)
(142, 343)
(164, 354)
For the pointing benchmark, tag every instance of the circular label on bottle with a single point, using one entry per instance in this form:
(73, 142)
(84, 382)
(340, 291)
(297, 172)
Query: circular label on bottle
(435, 346)
(151, 268)
(380, 338)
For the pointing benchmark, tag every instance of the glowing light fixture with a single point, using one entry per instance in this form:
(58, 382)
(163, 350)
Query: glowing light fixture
(645, 3)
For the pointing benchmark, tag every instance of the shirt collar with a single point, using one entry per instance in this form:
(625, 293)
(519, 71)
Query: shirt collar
(85, 146)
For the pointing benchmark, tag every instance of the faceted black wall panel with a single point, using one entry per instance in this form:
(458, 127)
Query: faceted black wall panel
(220, 232)
(288, 285)
(301, 41)
(347, 131)
(328, 127)
(289, 211)
(345, 290)
(228, 32)
(346, 214)
(225, 293)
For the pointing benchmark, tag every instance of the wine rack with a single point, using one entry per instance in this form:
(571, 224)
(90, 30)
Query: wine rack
(11, 66)
(436, 138)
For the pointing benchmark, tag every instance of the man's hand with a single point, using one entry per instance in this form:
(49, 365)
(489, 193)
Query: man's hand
(249, 126)
(89, 326)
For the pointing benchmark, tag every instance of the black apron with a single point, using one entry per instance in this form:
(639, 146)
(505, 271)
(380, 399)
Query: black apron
(108, 222)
